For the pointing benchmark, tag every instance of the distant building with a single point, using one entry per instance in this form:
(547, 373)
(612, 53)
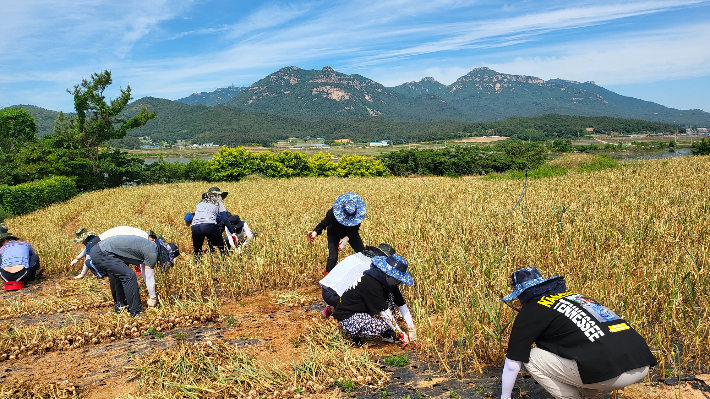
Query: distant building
(344, 141)
(382, 143)
(307, 146)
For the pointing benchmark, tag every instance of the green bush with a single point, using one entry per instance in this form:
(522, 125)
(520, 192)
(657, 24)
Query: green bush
(28, 197)
(4, 214)
(701, 147)
(233, 164)
(600, 162)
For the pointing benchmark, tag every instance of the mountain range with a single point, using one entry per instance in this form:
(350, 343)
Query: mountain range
(293, 96)
(481, 95)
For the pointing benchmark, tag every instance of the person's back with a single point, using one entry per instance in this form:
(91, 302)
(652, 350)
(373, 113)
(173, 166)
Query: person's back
(15, 253)
(123, 231)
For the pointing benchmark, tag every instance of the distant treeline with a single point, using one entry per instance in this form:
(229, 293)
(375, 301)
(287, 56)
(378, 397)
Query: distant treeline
(233, 127)
(463, 161)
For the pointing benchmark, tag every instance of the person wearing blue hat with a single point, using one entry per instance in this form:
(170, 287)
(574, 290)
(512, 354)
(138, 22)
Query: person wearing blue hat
(342, 223)
(374, 293)
(346, 272)
(581, 346)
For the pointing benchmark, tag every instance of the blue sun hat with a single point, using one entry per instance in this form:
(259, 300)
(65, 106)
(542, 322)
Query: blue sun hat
(349, 209)
(394, 266)
(528, 283)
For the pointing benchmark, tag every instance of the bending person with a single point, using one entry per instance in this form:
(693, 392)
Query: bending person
(242, 233)
(88, 238)
(581, 347)
(18, 260)
(204, 221)
(346, 272)
(115, 254)
(374, 294)
(342, 222)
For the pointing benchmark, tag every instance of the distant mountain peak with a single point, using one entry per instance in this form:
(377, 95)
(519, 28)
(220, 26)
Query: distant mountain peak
(429, 79)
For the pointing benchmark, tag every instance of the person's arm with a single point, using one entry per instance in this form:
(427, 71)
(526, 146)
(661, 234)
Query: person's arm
(78, 257)
(327, 221)
(246, 232)
(150, 254)
(230, 238)
(406, 315)
(511, 368)
(227, 223)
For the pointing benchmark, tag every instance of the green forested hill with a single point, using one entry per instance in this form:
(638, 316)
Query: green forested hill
(294, 102)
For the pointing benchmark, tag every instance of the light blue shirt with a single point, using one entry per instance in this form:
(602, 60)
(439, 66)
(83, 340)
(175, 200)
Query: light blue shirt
(16, 253)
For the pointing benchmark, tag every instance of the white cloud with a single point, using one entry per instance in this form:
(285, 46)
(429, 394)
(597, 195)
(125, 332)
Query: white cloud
(632, 58)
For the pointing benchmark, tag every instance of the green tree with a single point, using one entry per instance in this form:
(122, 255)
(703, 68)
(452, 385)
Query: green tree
(16, 128)
(97, 121)
(701, 147)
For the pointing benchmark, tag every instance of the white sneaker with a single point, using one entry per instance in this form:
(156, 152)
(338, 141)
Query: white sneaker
(80, 275)
(152, 302)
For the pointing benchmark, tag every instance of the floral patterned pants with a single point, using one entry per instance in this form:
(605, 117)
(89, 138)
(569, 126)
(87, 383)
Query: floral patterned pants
(366, 326)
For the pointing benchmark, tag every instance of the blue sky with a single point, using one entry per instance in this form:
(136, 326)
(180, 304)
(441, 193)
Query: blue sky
(654, 50)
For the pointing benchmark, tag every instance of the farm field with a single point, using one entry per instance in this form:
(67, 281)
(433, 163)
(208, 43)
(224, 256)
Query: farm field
(634, 237)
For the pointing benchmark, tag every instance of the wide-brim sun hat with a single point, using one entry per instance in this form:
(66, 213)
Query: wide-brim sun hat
(81, 235)
(394, 266)
(349, 209)
(528, 280)
(216, 190)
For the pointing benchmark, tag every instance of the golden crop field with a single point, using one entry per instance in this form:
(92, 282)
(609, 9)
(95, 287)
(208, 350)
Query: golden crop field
(635, 238)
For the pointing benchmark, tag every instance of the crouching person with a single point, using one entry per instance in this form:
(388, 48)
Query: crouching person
(342, 276)
(581, 347)
(18, 260)
(376, 292)
(115, 254)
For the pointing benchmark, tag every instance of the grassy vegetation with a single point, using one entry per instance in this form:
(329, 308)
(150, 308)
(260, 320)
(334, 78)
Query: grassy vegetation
(634, 236)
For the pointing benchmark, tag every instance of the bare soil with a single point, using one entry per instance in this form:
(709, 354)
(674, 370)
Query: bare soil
(267, 329)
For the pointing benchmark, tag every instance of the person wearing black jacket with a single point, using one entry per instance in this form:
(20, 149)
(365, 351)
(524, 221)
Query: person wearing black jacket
(377, 292)
(581, 346)
(342, 222)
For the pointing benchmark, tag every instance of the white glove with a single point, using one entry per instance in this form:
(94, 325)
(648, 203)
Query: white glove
(410, 337)
(74, 262)
(343, 243)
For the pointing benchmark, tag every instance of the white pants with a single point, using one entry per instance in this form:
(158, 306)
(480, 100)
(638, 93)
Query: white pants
(560, 376)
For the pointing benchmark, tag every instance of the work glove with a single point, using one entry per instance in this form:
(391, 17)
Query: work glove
(74, 262)
(410, 337)
(312, 236)
(343, 243)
